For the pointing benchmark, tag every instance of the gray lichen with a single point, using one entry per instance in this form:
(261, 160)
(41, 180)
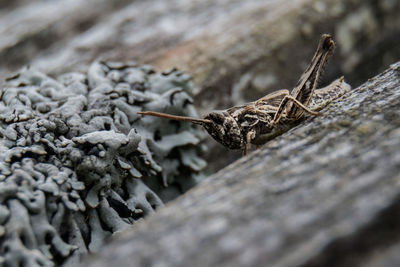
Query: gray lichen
(77, 163)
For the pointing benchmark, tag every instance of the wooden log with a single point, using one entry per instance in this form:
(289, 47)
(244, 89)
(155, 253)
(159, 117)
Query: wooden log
(236, 51)
(326, 193)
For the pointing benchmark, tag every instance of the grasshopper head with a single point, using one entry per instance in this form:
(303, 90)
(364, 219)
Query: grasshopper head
(224, 129)
(219, 124)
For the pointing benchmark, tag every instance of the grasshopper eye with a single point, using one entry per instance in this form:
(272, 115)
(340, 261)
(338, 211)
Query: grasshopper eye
(216, 117)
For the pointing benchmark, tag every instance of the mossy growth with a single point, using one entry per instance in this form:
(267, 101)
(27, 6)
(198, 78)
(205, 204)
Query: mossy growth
(77, 163)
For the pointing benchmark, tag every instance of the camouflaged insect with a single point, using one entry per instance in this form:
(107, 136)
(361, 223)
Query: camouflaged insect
(238, 127)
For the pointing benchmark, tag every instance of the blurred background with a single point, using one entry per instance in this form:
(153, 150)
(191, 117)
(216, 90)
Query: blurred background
(235, 50)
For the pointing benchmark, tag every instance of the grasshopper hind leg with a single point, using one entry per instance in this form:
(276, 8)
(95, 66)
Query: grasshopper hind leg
(282, 108)
(250, 135)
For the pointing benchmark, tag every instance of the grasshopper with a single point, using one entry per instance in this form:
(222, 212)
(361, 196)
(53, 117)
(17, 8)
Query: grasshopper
(239, 126)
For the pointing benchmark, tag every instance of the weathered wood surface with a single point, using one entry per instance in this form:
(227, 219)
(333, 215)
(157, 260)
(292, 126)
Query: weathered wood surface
(236, 51)
(326, 193)
(230, 45)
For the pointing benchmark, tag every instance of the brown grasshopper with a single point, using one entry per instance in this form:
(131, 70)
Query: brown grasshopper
(238, 127)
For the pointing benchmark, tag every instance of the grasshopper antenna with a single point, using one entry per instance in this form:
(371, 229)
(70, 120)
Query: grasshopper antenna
(173, 117)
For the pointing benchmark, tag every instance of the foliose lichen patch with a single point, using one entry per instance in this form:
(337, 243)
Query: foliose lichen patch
(77, 163)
